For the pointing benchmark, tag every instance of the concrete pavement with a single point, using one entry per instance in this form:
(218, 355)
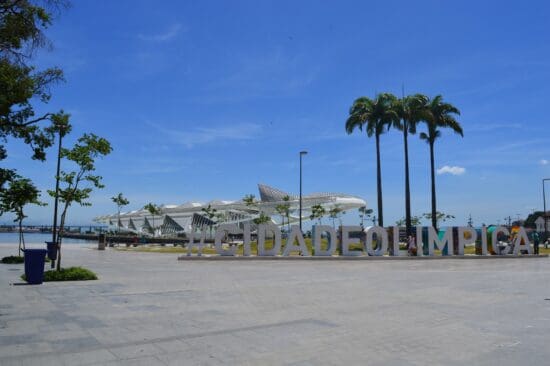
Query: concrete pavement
(151, 309)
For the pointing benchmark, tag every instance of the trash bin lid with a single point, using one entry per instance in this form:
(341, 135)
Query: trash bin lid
(35, 250)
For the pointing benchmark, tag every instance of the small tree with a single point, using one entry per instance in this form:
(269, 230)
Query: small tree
(439, 217)
(19, 193)
(249, 200)
(364, 213)
(153, 210)
(120, 201)
(262, 219)
(80, 183)
(283, 209)
(210, 213)
(335, 213)
(415, 221)
(317, 212)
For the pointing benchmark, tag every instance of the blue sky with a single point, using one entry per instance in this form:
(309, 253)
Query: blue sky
(204, 99)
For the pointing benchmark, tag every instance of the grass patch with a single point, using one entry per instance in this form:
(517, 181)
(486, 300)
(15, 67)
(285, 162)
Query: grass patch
(68, 274)
(13, 259)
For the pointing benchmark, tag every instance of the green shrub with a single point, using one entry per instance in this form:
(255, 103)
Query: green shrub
(68, 274)
(12, 259)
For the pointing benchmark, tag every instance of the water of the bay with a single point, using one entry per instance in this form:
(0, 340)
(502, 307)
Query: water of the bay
(36, 238)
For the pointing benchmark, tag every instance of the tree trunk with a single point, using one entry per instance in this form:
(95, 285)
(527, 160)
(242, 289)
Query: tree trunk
(432, 166)
(379, 183)
(408, 223)
(60, 238)
(20, 236)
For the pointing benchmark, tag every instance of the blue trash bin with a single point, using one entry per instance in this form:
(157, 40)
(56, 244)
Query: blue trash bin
(34, 265)
(52, 250)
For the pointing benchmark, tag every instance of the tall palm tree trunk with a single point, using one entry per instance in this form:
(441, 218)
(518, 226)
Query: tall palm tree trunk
(379, 182)
(432, 166)
(407, 184)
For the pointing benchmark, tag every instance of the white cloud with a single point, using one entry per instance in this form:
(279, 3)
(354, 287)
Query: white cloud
(204, 135)
(485, 127)
(170, 33)
(454, 170)
(544, 162)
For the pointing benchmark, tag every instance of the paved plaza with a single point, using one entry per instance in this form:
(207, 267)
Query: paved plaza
(151, 309)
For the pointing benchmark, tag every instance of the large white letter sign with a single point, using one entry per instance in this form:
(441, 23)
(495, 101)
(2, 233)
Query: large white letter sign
(246, 239)
(433, 238)
(381, 241)
(192, 243)
(419, 242)
(220, 234)
(462, 241)
(318, 231)
(395, 244)
(346, 241)
(522, 237)
(295, 235)
(484, 240)
(494, 237)
(262, 229)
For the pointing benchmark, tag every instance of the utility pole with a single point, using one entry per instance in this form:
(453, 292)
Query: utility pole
(544, 213)
(509, 219)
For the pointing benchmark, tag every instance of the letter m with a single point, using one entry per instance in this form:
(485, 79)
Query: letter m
(433, 238)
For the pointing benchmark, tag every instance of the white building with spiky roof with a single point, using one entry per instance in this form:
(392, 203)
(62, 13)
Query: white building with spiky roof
(179, 219)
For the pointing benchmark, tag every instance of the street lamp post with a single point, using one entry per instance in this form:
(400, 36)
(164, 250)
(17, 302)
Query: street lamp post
(544, 208)
(302, 153)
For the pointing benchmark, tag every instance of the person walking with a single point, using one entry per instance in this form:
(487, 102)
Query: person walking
(411, 245)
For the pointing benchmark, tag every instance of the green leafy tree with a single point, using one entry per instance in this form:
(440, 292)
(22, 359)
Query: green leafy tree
(375, 116)
(22, 26)
(530, 221)
(439, 115)
(262, 219)
(120, 201)
(77, 185)
(317, 213)
(20, 192)
(154, 210)
(411, 110)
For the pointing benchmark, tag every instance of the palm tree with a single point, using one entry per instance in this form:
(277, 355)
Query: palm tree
(249, 200)
(153, 210)
(439, 115)
(411, 110)
(317, 212)
(364, 212)
(283, 209)
(335, 213)
(120, 201)
(376, 115)
(210, 213)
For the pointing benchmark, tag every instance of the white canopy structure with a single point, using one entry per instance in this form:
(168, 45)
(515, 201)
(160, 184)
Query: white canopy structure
(177, 219)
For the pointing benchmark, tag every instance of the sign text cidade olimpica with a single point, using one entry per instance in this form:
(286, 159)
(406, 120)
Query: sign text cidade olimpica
(295, 240)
